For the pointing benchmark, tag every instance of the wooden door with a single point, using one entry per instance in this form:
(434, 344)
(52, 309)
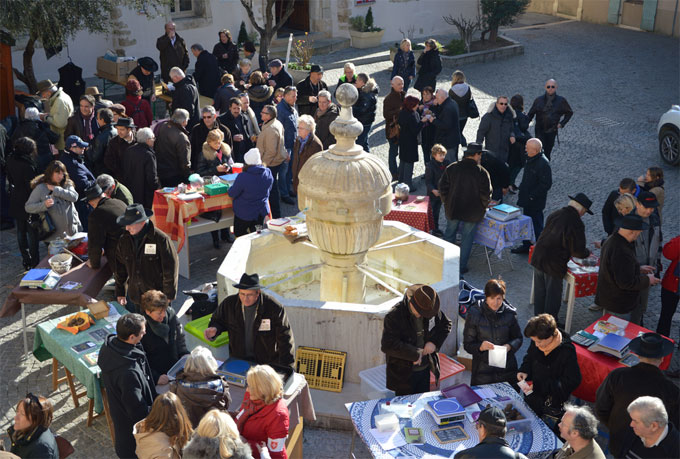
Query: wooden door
(299, 20)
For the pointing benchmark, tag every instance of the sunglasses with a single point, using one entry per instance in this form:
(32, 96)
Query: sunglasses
(550, 87)
(33, 398)
(502, 103)
(209, 117)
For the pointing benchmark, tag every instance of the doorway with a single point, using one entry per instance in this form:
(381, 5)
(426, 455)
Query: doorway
(298, 22)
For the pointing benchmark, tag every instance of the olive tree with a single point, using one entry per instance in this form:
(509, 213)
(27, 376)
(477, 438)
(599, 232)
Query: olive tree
(270, 26)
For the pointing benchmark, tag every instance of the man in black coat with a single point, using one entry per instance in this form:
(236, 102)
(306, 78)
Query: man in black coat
(199, 132)
(499, 174)
(144, 74)
(447, 124)
(308, 90)
(73, 159)
(279, 76)
(173, 149)
(496, 129)
(491, 428)
(185, 95)
(83, 122)
(173, 51)
(103, 232)
(552, 113)
(40, 133)
(609, 212)
(623, 385)
(126, 376)
(207, 71)
(655, 436)
(257, 325)
(564, 237)
(237, 123)
(94, 156)
(414, 331)
(140, 174)
(533, 191)
(226, 52)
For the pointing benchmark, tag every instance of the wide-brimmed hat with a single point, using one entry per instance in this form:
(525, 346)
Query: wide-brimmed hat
(648, 199)
(652, 345)
(249, 282)
(75, 141)
(92, 91)
(424, 299)
(473, 148)
(631, 222)
(492, 416)
(44, 85)
(91, 193)
(316, 68)
(125, 122)
(147, 64)
(134, 213)
(582, 199)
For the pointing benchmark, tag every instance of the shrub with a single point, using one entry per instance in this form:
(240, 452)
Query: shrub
(455, 47)
(242, 35)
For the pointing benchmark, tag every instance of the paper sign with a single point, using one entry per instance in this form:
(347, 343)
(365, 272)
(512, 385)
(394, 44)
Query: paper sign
(498, 356)
(389, 440)
(265, 325)
(150, 249)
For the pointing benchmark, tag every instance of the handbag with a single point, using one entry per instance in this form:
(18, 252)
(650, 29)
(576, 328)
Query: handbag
(467, 296)
(473, 111)
(42, 224)
(393, 130)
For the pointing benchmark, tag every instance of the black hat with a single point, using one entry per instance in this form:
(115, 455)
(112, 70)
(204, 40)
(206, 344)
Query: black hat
(147, 64)
(652, 345)
(492, 416)
(582, 199)
(315, 68)
(424, 300)
(276, 63)
(631, 222)
(249, 282)
(647, 199)
(134, 213)
(473, 148)
(125, 122)
(91, 193)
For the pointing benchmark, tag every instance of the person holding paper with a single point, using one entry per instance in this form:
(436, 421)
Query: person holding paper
(491, 329)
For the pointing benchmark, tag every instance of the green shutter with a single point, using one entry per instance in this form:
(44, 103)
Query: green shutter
(613, 15)
(648, 15)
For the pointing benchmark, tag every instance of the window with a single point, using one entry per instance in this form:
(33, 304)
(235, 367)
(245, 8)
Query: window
(182, 8)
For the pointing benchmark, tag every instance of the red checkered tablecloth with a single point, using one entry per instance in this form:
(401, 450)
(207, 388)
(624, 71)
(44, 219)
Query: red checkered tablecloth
(171, 214)
(585, 283)
(413, 213)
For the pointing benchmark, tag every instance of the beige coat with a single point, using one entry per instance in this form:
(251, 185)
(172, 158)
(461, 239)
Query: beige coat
(270, 142)
(154, 445)
(61, 108)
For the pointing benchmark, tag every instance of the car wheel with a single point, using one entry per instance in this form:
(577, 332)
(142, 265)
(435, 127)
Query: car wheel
(669, 146)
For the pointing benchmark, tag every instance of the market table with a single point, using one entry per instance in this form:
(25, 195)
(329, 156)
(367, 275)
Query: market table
(92, 281)
(497, 235)
(595, 366)
(54, 343)
(538, 442)
(413, 212)
(179, 219)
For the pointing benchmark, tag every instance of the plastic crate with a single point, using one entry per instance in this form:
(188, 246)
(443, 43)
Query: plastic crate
(215, 189)
(323, 368)
(194, 338)
(450, 373)
(373, 382)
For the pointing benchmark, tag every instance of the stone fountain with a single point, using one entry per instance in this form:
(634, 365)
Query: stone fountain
(338, 287)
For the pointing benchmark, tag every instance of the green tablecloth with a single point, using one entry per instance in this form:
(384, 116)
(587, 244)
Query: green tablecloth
(51, 341)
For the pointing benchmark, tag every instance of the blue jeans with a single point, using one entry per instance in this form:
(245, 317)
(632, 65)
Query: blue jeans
(274, 195)
(284, 168)
(467, 231)
(393, 155)
(362, 140)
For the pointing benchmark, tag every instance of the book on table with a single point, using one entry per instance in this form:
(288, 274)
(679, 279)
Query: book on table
(612, 344)
(40, 278)
(504, 212)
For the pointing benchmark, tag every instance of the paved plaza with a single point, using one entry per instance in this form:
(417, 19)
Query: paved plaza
(618, 83)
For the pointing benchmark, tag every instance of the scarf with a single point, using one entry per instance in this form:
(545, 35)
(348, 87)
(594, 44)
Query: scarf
(248, 408)
(87, 126)
(160, 329)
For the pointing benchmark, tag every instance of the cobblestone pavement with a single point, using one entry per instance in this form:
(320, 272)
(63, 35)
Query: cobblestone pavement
(618, 82)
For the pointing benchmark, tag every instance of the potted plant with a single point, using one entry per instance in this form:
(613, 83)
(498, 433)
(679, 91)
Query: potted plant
(363, 32)
(302, 51)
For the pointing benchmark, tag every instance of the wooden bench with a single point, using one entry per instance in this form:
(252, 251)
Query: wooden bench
(202, 226)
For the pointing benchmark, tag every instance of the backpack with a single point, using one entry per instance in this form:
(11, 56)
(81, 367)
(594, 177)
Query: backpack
(137, 114)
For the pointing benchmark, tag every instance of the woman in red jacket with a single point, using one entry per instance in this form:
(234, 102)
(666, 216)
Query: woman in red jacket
(263, 419)
(135, 107)
(670, 293)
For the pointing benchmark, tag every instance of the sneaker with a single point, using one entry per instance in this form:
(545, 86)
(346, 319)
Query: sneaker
(595, 307)
(520, 249)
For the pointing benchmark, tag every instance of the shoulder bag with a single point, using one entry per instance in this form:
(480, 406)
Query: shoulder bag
(473, 111)
(42, 224)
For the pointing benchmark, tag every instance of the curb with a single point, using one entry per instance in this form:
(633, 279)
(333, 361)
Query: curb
(516, 49)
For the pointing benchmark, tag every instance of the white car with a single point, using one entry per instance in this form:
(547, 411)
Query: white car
(669, 136)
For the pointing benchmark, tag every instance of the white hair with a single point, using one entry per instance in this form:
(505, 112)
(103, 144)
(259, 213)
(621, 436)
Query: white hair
(201, 362)
(584, 422)
(651, 409)
(208, 109)
(105, 181)
(180, 116)
(245, 63)
(145, 134)
(176, 71)
(349, 65)
(32, 114)
(308, 122)
(325, 94)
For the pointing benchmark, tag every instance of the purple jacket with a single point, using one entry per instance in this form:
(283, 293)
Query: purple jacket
(250, 193)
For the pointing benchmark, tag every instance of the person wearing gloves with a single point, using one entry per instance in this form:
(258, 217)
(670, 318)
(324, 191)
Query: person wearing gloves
(250, 194)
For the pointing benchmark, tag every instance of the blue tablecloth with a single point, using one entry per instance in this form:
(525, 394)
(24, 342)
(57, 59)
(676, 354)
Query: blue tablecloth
(498, 235)
(540, 442)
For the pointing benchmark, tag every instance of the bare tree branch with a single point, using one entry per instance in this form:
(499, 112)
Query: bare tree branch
(287, 13)
(248, 5)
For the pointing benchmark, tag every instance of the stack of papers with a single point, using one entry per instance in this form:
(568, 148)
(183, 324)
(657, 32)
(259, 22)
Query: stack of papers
(389, 440)
(40, 278)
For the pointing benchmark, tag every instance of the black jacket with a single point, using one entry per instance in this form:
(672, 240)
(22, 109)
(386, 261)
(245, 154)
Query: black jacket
(555, 376)
(185, 96)
(94, 156)
(305, 91)
(399, 345)
(323, 125)
(199, 133)
(172, 55)
(200, 394)
(238, 125)
(103, 232)
(447, 124)
(499, 173)
(490, 447)
(619, 281)
(20, 171)
(146, 82)
(130, 390)
(282, 79)
(113, 156)
(40, 444)
(495, 130)
(364, 107)
(563, 237)
(275, 345)
(620, 388)
(462, 102)
(536, 182)
(409, 128)
(140, 173)
(668, 447)
(162, 354)
(43, 136)
(548, 119)
(77, 171)
(76, 126)
(208, 161)
(500, 328)
(260, 95)
(433, 173)
(227, 64)
(609, 212)
(173, 150)
(465, 189)
(222, 97)
(430, 66)
(207, 74)
(152, 265)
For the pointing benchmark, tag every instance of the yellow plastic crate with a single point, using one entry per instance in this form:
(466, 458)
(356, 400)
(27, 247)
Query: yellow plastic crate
(323, 368)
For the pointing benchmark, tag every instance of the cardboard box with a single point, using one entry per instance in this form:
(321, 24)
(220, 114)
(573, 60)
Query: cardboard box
(114, 70)
(99, 310)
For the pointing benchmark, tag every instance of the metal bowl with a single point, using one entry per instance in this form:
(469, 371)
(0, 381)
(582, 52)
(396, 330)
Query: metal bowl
(401, 192)
(61, 262)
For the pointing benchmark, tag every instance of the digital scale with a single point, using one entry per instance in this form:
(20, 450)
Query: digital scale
(446, 411)
(235, 370)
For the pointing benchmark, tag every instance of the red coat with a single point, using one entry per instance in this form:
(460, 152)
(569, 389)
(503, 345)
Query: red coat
(139, 110)
(671, 251)
(269, 422)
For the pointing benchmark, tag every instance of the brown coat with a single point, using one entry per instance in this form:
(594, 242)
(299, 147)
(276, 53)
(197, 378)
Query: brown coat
(323, 124)
(312, 146)
(391, 107)
(465, 190)
(197, 397)
(152, 445)
(271, 143)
